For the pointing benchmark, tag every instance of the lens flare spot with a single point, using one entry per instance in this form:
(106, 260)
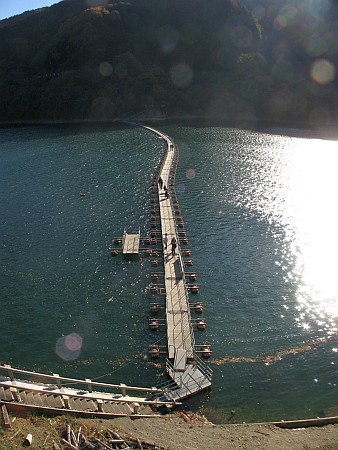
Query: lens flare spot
(105, 69)
(286, 17)
(69, 347)
(181, 75)
(323, 71)
(190, 174)
(73, 342)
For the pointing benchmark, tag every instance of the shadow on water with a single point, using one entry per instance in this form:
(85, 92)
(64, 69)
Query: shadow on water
(28, 131)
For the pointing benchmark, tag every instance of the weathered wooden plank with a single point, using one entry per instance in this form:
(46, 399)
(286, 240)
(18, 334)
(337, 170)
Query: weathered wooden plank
(55, 401)
(131, 243)
(30, 398)
(6, 394)
(5, 417)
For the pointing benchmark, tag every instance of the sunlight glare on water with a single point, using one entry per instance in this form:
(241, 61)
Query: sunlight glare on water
(289, 183)
(313, 232)
(295, 189)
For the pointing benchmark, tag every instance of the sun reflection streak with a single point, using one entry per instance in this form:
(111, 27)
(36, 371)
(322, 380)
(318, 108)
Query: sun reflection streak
(314, 242)
(291, 184)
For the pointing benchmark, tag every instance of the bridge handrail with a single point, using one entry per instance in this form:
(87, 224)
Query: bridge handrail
(203, 367)
(57, 379)
(82, 395)
(187, 328)
(184, 383)
(192, 335)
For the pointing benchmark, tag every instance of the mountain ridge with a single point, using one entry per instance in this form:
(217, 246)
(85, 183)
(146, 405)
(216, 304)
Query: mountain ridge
(156, 57)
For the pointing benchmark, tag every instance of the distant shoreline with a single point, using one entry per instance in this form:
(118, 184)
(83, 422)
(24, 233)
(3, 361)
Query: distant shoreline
(319, 131)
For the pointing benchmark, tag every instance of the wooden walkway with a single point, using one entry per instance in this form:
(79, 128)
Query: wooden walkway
(190, 374)
(130, 243)
(179, 332)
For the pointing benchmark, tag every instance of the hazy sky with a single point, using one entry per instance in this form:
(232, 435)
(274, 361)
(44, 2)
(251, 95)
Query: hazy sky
(9, 8)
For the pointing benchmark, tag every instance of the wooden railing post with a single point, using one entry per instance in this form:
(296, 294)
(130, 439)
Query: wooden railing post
(89, 385)
(5, 417)
(57, 379)
(99, 404)
(136, 407)
(16, 395)
(123, 389)
(65, 399)
(10, 371)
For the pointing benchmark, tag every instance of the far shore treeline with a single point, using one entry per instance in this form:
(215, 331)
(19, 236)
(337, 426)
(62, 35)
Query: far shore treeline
(224, 59)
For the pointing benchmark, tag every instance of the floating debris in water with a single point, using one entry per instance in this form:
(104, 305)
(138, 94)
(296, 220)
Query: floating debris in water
(270, 359)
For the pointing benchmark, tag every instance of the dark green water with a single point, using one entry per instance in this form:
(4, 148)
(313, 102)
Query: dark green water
(260, 214)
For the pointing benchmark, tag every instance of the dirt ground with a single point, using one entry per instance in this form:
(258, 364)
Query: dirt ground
(174, 432)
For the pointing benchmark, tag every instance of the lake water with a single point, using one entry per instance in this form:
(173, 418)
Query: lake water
(261, 217)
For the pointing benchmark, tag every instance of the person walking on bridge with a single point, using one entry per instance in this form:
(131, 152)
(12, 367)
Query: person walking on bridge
(173, 246)
(165, 240)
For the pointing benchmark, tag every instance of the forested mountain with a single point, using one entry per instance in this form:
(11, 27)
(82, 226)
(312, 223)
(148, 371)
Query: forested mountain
(300, 45)
(92, 59)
